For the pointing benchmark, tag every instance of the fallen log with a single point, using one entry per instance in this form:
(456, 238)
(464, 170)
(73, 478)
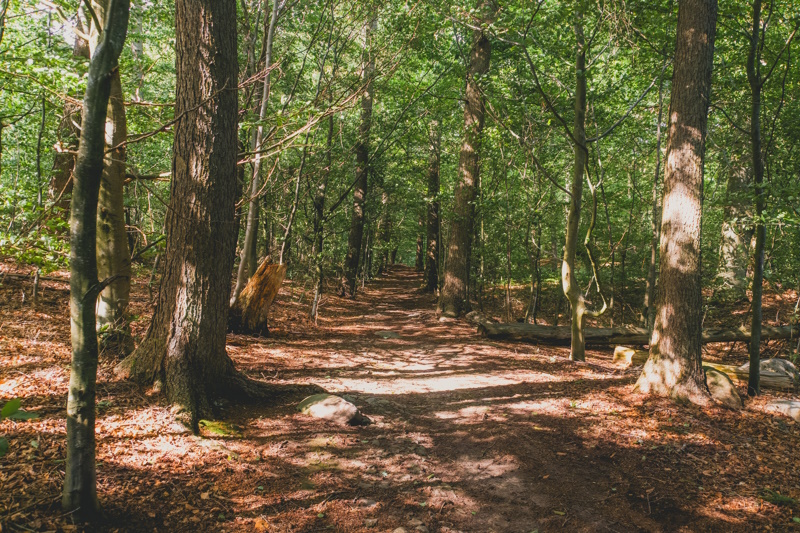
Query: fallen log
(561, 335)
(768, 380)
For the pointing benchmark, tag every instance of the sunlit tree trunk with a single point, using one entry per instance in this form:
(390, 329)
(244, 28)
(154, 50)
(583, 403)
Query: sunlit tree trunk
(113, 255)
(674, 367)
(356, 235)
(736, 231)
(248, 260)
(454, 297)
(80, 491)
(431, 275)
(184, 350)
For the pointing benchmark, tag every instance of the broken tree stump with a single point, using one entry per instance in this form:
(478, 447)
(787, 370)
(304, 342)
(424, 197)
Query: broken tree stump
(251, 312)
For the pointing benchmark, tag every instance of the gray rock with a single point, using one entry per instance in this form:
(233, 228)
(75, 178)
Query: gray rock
(779, 366)
(789, 408)
(400, 530)
(370, 522)
(722, 388)
(333, 408)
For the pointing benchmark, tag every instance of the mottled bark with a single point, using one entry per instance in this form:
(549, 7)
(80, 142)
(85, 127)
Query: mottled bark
(454, 297)
(356, 235)
(674, 367)
(319, 221)
(736, 230)
(113, 254)
(431, 275)
(79, 495)
(569, 282)
(184, 350)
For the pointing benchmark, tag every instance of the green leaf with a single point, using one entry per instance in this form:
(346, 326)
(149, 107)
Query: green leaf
(34, 444)
(11, 407)
(3, 447)
(24, 415)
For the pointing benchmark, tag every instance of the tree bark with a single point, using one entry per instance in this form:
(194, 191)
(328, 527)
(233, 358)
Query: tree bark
(319, 221)
(184, 349)
(674, 368)
(431, 275)
(248, 259)
(569, 282)
(356, 235)
(454, 297)
(113, 254)
(756, 84)
(419, 263)
(735, 239)
(80, 491)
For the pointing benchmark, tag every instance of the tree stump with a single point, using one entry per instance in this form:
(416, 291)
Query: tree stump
(250, 313)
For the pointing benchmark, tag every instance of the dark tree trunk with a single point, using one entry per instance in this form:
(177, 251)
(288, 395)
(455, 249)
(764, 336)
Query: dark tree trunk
(674, 367)
(756, 84)
(534, 254)
(454, 297)
(432, 246)
(356, 235)
(419, 264)
(569, 282)
(80, 491)
(184, 350)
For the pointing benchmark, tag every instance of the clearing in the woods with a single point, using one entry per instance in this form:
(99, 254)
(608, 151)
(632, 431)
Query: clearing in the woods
(469, 434)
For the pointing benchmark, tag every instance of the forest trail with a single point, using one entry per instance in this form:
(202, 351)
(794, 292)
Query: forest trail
(469, 434)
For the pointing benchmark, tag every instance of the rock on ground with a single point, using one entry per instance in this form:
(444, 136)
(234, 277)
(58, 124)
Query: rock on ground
(333, 408)
(789, 408)
(780, 366)
(722, 388)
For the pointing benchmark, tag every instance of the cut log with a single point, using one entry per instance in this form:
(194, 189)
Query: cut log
(561, 335)
(250, 313)
(769, 380)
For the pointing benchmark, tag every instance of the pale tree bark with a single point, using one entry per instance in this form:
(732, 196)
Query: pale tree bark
(247, 259)
(319, 222)
(431, 275)
(79, 495)
(736, 230)
(648, 309)
(674, 368)
(113, 255)
(356, 235)
(454, 299)
(183, 352)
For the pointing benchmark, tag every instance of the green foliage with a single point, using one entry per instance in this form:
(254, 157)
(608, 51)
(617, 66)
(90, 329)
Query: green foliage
(11, 410)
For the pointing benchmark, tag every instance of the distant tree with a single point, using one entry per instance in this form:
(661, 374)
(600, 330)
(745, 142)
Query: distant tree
(674, 367)
(453, 300)
(432, 224)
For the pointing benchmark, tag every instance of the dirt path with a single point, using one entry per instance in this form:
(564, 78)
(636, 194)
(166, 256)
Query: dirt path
(469, 435)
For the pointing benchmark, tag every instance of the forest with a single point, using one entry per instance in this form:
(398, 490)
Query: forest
(410, 266)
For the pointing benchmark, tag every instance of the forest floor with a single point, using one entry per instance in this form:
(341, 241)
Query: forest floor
(468, 434)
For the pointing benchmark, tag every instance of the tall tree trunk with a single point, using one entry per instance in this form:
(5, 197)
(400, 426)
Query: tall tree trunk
(648, 309)
(535, 253)
(356, 235)
(432, 225)
(419, 263)
(756, 84)
(248, 260)
(454, 297)
(113, 254)
(80, 491)
(569, 283)
(674, 367)
(735, 238)
(184, 349)
(319, 221)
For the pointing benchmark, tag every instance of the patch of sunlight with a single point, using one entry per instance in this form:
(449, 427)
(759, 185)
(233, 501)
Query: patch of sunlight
(445, 383)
